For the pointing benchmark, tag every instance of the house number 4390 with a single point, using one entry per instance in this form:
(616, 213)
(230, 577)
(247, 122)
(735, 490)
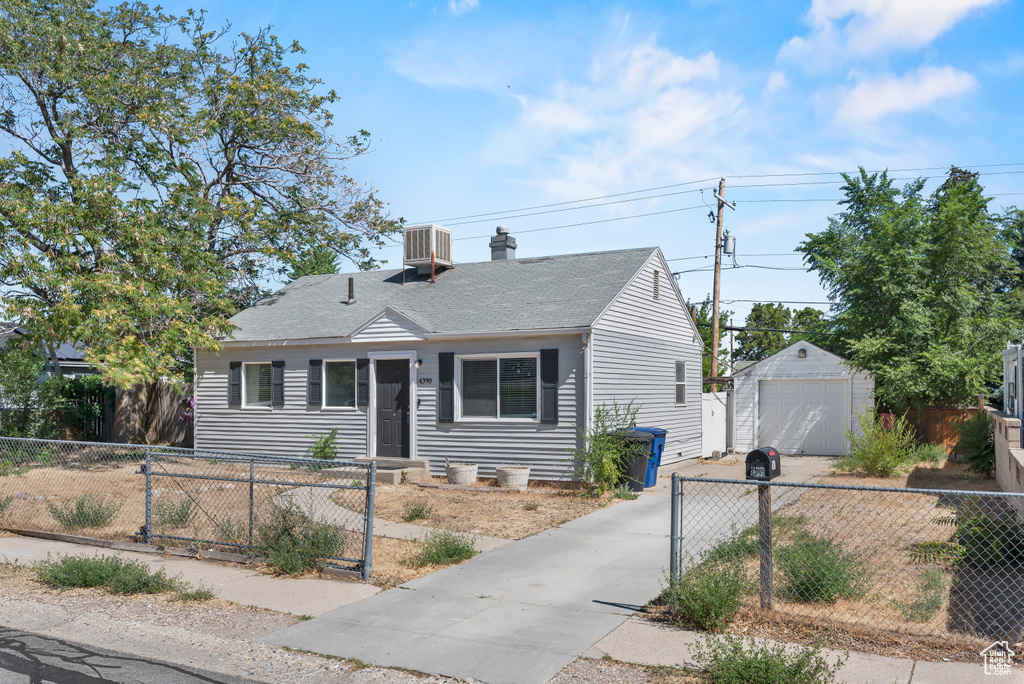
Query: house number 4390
(425, 381)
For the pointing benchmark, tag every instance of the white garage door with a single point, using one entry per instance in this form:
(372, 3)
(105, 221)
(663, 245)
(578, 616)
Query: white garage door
(803, 416)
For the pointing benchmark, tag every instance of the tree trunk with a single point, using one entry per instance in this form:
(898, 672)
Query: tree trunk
(131, 415)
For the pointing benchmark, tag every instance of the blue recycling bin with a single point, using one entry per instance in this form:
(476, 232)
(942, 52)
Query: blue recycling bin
(657, 447)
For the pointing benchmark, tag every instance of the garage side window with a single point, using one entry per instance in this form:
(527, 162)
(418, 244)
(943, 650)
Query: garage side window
(680, 382)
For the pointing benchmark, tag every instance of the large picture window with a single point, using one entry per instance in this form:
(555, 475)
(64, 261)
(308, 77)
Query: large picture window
(257, 384)
(340, 384)
(502, 387)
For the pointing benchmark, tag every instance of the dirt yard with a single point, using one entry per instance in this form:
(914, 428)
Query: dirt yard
(506, 515)
(886, 531)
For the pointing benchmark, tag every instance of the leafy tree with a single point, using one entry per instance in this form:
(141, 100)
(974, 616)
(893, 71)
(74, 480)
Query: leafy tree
(759, 342)
(320, 260)
(157, 178)
(705, 311)
(918, 286)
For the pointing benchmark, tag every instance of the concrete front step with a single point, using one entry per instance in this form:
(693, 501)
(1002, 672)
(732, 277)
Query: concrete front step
(389, 470)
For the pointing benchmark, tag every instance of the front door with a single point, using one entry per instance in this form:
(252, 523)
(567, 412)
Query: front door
(392, 409)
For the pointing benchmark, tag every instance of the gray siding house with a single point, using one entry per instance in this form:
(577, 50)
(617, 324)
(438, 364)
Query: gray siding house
(495, 362)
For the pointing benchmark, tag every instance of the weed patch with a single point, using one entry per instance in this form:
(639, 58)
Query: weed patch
(709, 595)
(623, 492)
(880, 450)
(531, 506)
(929, 595)
(113, 574)
(173, 514)
(5, 503)
(819, 569)
(87, 511)
(444, 547)
(416, 510)
(293, 543)
(738, 660)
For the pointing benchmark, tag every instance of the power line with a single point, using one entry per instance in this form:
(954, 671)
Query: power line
(770, 300)
(507, 213)
(585, 223)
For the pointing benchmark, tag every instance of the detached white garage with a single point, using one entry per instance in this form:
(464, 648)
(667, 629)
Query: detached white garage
(800, 400)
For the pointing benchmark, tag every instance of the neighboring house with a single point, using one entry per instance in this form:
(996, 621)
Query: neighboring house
(495, 362)
(71, 357)
(800, 400)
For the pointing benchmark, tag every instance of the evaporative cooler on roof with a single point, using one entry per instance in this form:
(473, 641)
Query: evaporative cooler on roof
(424, 240)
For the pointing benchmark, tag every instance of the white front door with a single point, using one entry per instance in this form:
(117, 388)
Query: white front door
(803, 416)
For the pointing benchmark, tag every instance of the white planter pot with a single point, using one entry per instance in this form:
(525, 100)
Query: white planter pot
(514, 476)
(461, 474)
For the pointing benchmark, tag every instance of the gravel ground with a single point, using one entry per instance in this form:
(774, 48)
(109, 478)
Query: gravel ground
(222, 637)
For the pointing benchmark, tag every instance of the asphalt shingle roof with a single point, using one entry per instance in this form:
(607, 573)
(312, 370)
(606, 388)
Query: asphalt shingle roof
(567, 291)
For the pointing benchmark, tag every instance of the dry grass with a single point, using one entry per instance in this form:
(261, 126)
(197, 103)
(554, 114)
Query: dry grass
(220, 510)
(389, 562)
(492, 514)
(882, 529)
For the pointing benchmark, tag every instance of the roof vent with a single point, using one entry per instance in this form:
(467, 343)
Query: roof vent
(503, 245)
(426, 244)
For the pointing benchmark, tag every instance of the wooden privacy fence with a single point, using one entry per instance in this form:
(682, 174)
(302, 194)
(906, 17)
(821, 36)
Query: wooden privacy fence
(936, 425)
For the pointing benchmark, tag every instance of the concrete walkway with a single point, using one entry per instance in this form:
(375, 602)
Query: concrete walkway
(522, 612)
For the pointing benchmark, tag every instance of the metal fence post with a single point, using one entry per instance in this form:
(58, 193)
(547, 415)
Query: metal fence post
(149, 496)
(764, 524)
(673, 561)
(371, 484)
(251, 478)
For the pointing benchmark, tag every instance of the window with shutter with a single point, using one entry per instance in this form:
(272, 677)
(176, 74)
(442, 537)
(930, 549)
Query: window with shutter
(499, 387)
(235, 383)
(256, 381)
(315, 370)
(340, 384)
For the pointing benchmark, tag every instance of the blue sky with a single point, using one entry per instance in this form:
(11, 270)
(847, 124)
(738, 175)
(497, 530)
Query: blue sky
(481, 107)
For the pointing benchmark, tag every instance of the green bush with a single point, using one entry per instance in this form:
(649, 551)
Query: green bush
(599, 464)
(444, 547)
(5, 503)
(880, 451)
(977, 443)
(531, 506)
(709, 595)
(743, 544)
(929, 595)
(819, 569)
(738, 660)
(87, 511)
(293, 543)
(173, 514)
(416, 510)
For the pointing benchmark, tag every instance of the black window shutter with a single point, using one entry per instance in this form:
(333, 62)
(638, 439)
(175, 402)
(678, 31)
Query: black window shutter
(362, 382)
(277, 383)
(315, 366)
(549, 385)
(235, 383)
(446, 387)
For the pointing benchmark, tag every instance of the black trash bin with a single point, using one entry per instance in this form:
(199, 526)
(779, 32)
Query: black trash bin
(637, 457)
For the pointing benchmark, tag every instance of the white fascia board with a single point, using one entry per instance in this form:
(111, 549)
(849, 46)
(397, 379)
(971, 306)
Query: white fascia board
(510, 333)
(286, 343)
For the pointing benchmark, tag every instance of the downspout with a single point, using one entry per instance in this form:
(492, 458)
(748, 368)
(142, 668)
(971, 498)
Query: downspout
(588, 379)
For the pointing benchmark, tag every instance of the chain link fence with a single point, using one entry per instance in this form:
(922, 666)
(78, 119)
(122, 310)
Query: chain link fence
(915, 568)
(201, 500)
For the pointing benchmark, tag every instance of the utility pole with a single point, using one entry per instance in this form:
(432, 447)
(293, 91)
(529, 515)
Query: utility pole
(722, 204)
(732, 366)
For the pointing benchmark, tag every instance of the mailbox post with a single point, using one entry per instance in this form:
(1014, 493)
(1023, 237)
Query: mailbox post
(763, 466)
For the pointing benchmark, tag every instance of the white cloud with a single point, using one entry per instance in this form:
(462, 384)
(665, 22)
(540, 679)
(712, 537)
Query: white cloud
(641, 113)
(457, 7)
(872, 99)
(776, 82)
(861, 28)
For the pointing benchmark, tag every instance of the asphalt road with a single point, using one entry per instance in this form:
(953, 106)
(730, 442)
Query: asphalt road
(27, 658)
